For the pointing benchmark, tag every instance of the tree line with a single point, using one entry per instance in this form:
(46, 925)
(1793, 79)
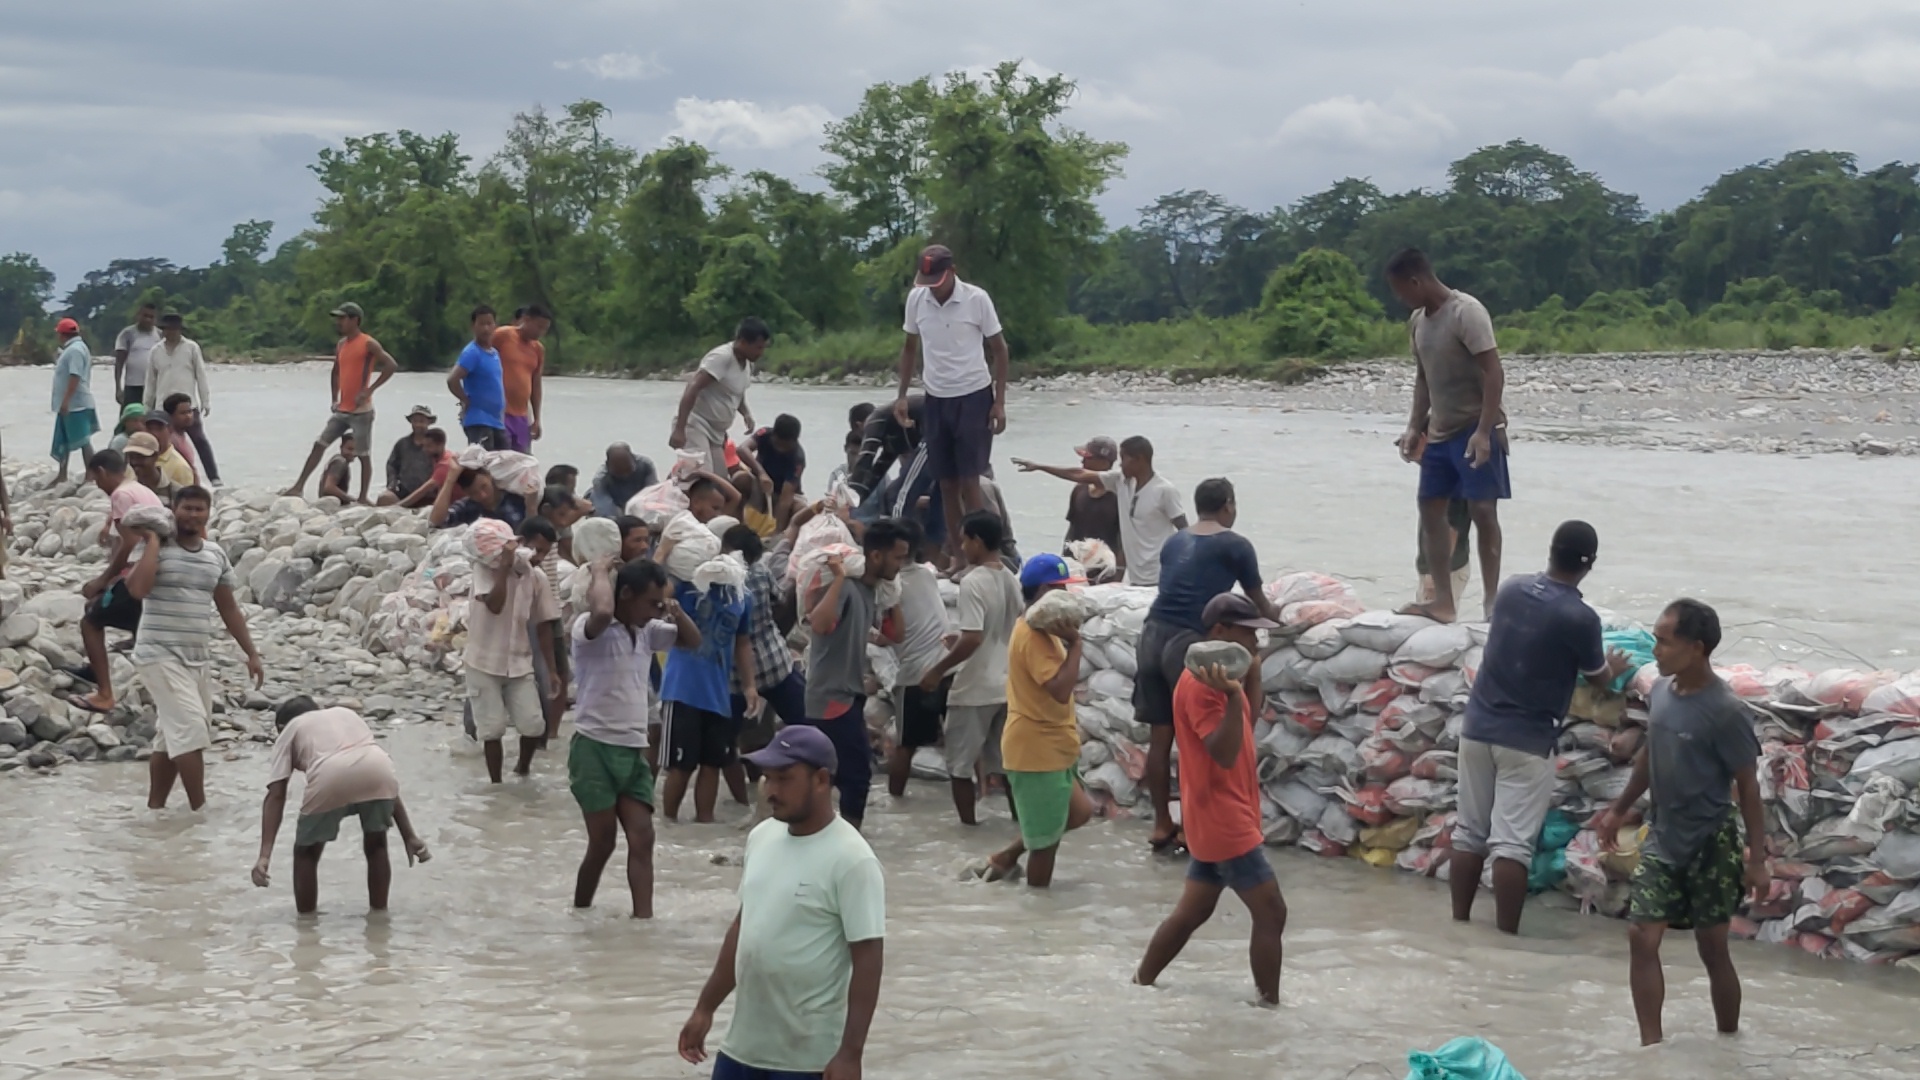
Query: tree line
(645, 255)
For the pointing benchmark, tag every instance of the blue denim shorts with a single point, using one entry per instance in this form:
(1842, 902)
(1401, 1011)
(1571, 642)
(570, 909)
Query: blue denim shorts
(1239, 873)
(1445, 472)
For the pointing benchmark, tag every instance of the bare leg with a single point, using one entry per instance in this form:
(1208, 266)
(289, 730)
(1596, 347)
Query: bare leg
(192, 767)
(379, 870)
(495, 758)
(1721, 978)
(160, 777)
(366, 474)
(1265, 946)
(527, 747)
(735, 775)
(965, 801)
(950, 508)
(636, 818)
(1040, 863)
(306, 471)
(198, 433)
(94, 639)
(1463, 877)
(1160, 782)
(1486, 527)
(1509, 894)
(1436, 542)
(672, 792)
(899, 771)
(603, 833)
(1002, 863)
(706, 792)
(1648, 981)
(306, 878)
(1195, 907)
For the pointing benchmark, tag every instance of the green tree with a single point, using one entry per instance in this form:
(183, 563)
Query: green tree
(741, 278)
(25, 288)
(1317, 307)
(880, 165)
(662, 232)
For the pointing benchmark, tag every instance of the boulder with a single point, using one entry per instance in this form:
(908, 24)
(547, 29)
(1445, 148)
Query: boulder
(52, 726)
(122, 753)
(11, 597)
(103, 736)
(48, 545)
(44, 756)
(8, 679)
(261, 576)
(80, 748)
(332, 577)
(57, 654)
(13, 733)
(56, 606)
(19, 629)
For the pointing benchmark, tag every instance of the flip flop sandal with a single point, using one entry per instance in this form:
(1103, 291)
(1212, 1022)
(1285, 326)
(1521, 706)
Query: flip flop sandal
(78, 702)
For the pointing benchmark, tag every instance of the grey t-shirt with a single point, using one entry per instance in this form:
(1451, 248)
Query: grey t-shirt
(1444, 345)
(1696, 743)
(837, 662)
(1542, 639)
(990, 603)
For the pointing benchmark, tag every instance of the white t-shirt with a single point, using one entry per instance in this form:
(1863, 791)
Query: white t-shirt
(924, 618)
(1147, 513)
(990, 603)
(716, 405)
(953, 336)
(139, 344)
(611, 671)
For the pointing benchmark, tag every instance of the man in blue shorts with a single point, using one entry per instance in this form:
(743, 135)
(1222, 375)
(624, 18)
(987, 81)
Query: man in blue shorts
(1457, 431)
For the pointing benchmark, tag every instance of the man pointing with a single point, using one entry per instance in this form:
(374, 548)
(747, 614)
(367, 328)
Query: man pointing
(953, 329)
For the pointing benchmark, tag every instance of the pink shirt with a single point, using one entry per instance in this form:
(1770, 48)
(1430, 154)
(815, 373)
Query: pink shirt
(342, 763)
(129, 494)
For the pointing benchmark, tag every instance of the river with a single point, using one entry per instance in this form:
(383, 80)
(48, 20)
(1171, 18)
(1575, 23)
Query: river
(132, 944)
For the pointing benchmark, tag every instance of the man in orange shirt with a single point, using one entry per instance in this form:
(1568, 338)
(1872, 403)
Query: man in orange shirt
(357, 358)
(1220, 803)
(523, 361)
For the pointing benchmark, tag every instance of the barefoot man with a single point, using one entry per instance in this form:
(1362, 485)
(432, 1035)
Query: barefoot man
(1458, 429)
(357, 358)
(347, 775)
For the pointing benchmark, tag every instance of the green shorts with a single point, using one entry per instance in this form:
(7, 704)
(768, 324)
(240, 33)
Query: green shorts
(1041, 799)
(376, 816)
(1703, 892)
(599, 773)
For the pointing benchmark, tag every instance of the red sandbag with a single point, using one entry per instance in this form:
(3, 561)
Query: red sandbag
(1377, 695)
(1842, 906)
(1369, 805)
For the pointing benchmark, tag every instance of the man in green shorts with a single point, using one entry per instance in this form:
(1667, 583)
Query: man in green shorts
(1041, 745)
(630, 616)
(347, 775)
(1701, 750)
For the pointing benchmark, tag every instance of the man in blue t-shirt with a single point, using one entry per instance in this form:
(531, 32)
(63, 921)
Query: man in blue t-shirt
(1543, 637)
(477, 384)
(697, 692)
(1196, 564)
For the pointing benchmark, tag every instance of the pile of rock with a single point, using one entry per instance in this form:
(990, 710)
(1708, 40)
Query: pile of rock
(311, 574)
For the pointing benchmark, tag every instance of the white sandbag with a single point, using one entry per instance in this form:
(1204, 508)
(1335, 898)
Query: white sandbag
(1383, 631)
(1322, 641)
(1283, 669)
(1330, 754)
(1300, 802)
(1111, 684)
(1352, 665)
(1112, 779)
(1099, 628)
(1121, 658)
(1899, 855)
(595, 538)
(1901, 697)
(1282, 742)
(1338, 825)
(1437, 646)
(157, 520)
(693, 544)
(1899, 760)
(658, 504)
(1058, 612)
(1092, 660)
(728, 570)
(486, 539)
(1448, 687)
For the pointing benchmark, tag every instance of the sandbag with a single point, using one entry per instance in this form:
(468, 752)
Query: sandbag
(1321, 642)
(1122, 658)
(1230, 655)
(1301, 802)
(1900, 697)
(728, 570)
(595, 538)
(1467, 1058)
(1899, 760)
(1350, 666)
(486, 539)
(157, 520)
(1436, 646)
(1111, 684)
(1383, 631)
(693, 544)
(658, 504)
(1058, 612)
(1283, 669)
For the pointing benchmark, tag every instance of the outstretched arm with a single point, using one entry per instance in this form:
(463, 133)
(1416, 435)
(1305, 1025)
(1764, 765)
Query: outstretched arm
(1065, 472)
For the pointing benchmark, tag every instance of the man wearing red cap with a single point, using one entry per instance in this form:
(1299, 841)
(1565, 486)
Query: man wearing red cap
(953, 330)
(74, 421)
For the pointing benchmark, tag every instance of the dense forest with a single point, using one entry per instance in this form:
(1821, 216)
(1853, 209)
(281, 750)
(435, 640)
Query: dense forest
(646, 257)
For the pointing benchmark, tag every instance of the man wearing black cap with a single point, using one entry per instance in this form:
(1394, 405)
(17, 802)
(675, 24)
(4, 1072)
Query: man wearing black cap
(1543, 638)
(1220, 802)
(1093, 512)
(805, 951)
(953, 330)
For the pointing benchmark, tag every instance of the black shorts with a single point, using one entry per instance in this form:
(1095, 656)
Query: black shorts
(959, 436)
(1158, 661)
(696, 738)
(922, 714)
(487, 438)
(115, 609)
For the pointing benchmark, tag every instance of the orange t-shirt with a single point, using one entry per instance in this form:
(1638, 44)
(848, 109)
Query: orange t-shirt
(352, 359)
(520, 361)
(1219, 808)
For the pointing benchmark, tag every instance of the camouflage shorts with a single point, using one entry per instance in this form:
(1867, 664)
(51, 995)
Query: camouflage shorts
(1703, 892)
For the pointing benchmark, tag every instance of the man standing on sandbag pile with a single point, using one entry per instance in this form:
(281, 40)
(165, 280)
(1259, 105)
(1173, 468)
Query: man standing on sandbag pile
(1093, 512)
(954, 335)
(1543, 638)
(1458, 429)
(1220, 801)
(716, 392)
(356, 359)
(1701, 751)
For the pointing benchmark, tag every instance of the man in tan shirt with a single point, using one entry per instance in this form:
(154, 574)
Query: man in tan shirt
(508, 598)
(1457, 431)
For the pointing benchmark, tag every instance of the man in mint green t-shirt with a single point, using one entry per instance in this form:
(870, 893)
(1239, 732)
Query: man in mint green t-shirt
(805, 951)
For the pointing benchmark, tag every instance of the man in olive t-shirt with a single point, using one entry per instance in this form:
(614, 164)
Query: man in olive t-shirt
(1457, 429)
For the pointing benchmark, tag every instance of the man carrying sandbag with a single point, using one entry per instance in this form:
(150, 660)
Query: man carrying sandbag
(1543, 638)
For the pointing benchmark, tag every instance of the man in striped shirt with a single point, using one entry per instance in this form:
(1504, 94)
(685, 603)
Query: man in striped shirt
(180, 583)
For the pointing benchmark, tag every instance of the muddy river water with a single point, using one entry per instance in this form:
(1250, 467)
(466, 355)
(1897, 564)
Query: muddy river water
(133, 945)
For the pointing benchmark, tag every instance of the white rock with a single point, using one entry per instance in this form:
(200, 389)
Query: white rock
(56, 606)
(103, 736)
(19, 629)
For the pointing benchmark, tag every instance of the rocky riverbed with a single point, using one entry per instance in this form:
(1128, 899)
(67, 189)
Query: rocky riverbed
(311, 575)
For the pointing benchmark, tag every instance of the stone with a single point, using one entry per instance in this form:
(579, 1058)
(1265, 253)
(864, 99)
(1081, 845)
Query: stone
(11, 597)
(13, 733)
(262, 575)
(56, 606)
(57, 654)
(122, 753)
(306, 547)
(19, 629)
(381, 706)
(52, 726)
(80, 748)
(332, 577)
(103, 736)
(44, 756)
(8, 679)
(48, 545)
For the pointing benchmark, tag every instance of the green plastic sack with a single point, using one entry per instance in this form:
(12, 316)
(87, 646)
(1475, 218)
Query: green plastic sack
(1549, 866)
(1462, 1059)
(1637, 644)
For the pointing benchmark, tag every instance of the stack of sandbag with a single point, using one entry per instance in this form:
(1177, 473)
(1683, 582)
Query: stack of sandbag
(424, 620)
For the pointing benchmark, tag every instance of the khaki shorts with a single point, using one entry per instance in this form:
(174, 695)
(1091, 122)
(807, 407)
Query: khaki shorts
(500, 702)
(972, 737)
(340, 423)
(182, 696)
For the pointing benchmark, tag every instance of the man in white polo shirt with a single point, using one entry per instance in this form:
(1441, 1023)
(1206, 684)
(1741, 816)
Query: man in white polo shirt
(953, 330)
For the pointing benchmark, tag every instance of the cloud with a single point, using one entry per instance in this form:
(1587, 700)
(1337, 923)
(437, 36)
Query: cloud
(1347, 123)
(620, 66)
(746, 124)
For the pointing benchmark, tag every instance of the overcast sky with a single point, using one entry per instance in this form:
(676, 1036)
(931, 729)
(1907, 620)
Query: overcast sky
(141, 129)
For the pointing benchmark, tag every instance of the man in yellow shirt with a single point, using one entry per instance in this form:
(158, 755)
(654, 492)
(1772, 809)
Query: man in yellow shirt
(178, 470)
(1041, 745)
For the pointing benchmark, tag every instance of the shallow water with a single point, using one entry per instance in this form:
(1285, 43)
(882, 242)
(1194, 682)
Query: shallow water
(134, 946)
(1807, 559)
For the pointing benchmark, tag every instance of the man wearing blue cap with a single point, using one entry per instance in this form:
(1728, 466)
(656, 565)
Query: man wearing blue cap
(805, 952)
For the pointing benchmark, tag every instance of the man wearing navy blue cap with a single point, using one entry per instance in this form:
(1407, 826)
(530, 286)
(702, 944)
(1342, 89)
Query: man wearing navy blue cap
(805, 952)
